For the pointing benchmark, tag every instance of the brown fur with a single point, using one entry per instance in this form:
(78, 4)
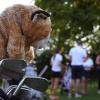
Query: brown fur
(18, 32)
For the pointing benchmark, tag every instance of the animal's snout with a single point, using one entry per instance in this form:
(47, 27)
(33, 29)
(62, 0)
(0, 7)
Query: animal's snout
(42, 43)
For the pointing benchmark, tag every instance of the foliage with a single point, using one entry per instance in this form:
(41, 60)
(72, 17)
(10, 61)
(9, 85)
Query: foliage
(45, 56)
(42, 60)
(73, 20)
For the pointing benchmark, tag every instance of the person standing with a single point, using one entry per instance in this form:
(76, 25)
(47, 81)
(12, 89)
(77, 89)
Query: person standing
(56, 63)
(97, 61)
(77, 56)
(87, 65)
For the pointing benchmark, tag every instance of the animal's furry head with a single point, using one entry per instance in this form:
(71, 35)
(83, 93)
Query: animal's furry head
(38, 27)
(43, 24)
(34, 23)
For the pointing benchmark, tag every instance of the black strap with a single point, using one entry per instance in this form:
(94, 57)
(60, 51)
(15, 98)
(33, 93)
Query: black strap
(39, 12)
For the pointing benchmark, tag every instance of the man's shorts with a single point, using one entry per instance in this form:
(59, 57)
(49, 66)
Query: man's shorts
(77, 71)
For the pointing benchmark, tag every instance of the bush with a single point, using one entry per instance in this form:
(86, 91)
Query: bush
(42, 60)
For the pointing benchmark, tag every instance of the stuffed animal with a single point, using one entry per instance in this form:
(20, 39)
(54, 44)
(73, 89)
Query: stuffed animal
(22, 26)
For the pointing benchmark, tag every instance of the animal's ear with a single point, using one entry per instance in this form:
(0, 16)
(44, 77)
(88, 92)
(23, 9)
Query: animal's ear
(39, 14)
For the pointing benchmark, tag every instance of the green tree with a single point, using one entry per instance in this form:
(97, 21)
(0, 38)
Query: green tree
(73, 20)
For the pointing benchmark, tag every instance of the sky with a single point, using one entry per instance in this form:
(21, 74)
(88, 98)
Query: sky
(6, 3)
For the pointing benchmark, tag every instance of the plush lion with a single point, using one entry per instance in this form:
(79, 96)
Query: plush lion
(22, 26)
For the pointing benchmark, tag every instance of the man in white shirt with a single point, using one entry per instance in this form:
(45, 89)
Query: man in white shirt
(77, 56)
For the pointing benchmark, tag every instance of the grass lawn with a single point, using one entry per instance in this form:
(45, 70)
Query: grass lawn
(92, 94)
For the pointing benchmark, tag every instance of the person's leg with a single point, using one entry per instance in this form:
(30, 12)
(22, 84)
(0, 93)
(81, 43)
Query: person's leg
(51, 85)
(83, 85)
(98, 73)
(99, 84)
(51, 88)
(84, 81)
(86, 85)
(56, 83)
(54, 89)
(79, 75)
(73, 83)
(70, 87)
(77, 85)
